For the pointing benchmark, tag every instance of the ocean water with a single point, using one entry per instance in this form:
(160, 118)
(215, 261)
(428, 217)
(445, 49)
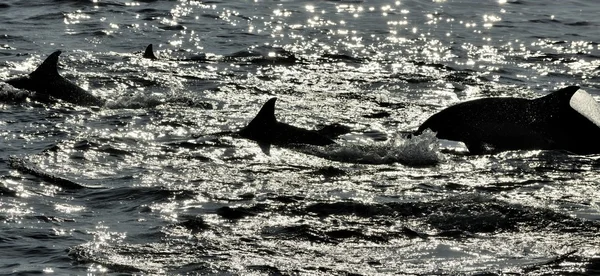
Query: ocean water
(143, 185)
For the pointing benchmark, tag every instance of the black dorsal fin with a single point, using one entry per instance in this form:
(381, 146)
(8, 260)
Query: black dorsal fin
(149, 53)
(49, 67)
(257, 129)
(266, 115)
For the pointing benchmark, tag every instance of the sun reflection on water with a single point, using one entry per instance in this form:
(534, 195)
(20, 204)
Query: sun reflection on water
(377, 67)
(68, 209)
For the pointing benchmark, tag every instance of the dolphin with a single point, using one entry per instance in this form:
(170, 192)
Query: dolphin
(47, 82)
(567, 119)
(149, 53)
(267, 131)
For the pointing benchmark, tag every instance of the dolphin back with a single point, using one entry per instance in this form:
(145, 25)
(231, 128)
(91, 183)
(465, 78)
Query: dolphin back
(266, 130)
(574, 120)
(567, 119)
(47, 82)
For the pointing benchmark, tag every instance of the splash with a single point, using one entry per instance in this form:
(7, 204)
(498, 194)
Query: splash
(422, 150)
(9, 94)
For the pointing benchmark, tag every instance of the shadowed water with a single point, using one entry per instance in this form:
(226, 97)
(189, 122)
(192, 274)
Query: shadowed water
(148, 183)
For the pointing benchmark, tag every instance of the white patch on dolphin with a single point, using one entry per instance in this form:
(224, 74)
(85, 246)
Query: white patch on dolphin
(586, 105)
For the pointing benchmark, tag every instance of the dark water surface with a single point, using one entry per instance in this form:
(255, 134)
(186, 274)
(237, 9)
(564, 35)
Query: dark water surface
(140, 186)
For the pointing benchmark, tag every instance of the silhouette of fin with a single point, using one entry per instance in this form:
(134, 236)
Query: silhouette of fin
(266, 130)
(259, 129)
(265, 116)
(49, 68)
(149, 53)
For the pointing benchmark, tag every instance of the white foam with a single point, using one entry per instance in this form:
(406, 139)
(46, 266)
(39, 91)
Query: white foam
(11, 94)
(417, 151)
(138, 100)
(585, 104)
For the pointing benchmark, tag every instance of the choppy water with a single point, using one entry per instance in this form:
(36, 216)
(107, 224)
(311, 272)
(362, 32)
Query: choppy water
(140, 186)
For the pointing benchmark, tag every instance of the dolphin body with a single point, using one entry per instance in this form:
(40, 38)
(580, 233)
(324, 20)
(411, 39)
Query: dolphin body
(267, 131)
(149, 54)
(47, 82)
(567, 119)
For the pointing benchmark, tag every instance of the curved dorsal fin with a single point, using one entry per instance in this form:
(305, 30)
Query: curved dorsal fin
(260, 128)
(49, 67)
(262, 122)
(149, 53)
(266, 113)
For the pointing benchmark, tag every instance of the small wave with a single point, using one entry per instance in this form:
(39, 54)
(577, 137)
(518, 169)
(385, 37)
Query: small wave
(195, 224)
(9, 94)
(46, 17)
(263, 55)
(377, 115)
(4, 191)
(173, 27)
(53, 219)
(579, 23)
(109, 257)
(544, 21)
(141, 195)
(25, 166)
(422, 150)
(459, 215)
(341, 57)
(311, 233)
(141, 100)
(235, 213)
(136, 101)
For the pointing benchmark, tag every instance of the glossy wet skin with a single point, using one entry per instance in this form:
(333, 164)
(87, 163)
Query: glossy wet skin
(47, 82)
(499, 124)
(266, 130)
(174, 200)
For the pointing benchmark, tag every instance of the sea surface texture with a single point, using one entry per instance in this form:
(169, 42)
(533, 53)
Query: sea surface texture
(151, 183)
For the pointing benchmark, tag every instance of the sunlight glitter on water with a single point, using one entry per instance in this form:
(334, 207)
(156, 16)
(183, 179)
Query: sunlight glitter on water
(68, 209)
(378, 68)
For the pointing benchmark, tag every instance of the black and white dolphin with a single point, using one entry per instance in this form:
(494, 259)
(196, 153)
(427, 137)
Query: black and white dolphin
(47, 82)
(567, 119)
(267, 131)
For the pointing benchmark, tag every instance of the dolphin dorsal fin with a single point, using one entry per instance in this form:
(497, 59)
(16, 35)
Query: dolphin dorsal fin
(149, 53)
(259, 128)
(266, 113)
(49, 67)
(263, 121)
